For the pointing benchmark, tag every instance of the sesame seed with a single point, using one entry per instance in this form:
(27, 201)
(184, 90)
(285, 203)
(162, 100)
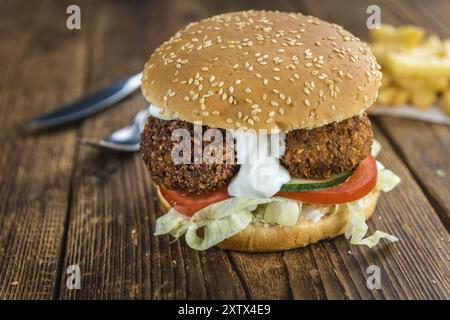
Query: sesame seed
(248, 90)
(276, 78)
(231, 89)
(307, 103)
(274, 103)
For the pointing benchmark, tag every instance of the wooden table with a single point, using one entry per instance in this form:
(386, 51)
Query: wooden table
(63, 204)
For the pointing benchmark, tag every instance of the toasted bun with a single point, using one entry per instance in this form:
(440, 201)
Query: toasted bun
(258, 238)
(262, 70)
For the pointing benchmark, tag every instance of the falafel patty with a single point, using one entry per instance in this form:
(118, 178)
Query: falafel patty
(326, 151)
(193, 178)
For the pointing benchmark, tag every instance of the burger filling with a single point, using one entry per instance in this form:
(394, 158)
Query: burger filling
(312, 173)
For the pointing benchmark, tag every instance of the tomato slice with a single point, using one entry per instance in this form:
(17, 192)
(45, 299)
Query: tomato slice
(361, 182)
(188, 204)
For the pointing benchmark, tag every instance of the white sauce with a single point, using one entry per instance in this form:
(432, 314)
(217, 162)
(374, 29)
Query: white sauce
(156, 112)
(261, 175)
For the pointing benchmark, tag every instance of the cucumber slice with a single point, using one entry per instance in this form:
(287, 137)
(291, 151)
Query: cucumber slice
(299, 185)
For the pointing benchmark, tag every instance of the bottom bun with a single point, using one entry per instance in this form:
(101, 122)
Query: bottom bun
(259, 238)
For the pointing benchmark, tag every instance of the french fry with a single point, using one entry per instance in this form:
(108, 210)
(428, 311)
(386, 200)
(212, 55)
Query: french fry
(386, 80)
(418, 63)
(446, 101)
(386, 95)
(405, 36)
(423, 99)
(417, 83)
(415, 69)
(400, 97)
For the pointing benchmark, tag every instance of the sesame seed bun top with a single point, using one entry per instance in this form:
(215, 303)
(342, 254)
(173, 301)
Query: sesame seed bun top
(262, 70)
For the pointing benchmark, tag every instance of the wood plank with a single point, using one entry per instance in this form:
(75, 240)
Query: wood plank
(114, 204)
(423, 146)
(328, 270)
(42, 66)
(414, 268)
(114, 208)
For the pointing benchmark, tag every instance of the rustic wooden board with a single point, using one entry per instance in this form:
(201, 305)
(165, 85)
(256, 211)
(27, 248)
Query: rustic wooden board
(35, 169)
(97, 209)
(424, 147)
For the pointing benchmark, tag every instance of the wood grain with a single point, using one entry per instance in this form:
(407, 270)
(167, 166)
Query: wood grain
(62, 204)
(424, 147)
(35, 55)
(414, 268)
(110, 232)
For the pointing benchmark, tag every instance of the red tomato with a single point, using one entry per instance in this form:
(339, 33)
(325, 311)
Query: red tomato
(360, 183)
(188, 205)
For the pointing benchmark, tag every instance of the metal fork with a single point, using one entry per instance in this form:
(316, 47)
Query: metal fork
(126, 139)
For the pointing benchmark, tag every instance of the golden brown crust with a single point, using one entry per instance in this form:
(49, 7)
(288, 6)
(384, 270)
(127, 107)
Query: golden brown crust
(157, 146)
(327, 151)
(257, 238)
(262, 70)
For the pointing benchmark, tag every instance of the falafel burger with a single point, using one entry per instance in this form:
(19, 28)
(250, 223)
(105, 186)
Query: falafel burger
(258, 139)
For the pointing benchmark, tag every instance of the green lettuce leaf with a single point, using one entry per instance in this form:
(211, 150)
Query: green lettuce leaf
(356, 228)
(282, 212)
(218, 222)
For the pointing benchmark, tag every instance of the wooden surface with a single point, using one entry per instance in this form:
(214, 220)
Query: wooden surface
(62, 204)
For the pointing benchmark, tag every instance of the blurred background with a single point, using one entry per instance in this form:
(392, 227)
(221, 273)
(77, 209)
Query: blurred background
(62, 203)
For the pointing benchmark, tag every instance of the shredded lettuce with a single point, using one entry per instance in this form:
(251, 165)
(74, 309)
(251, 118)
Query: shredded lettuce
(357, 227)
(218, 222)
(173, 222)
(282, 212)
(223, 220)
(376, 148)
(314, 213)
(387, 180)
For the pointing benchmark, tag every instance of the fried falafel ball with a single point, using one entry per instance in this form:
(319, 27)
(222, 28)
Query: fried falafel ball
(326, 151)
(192, 178)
